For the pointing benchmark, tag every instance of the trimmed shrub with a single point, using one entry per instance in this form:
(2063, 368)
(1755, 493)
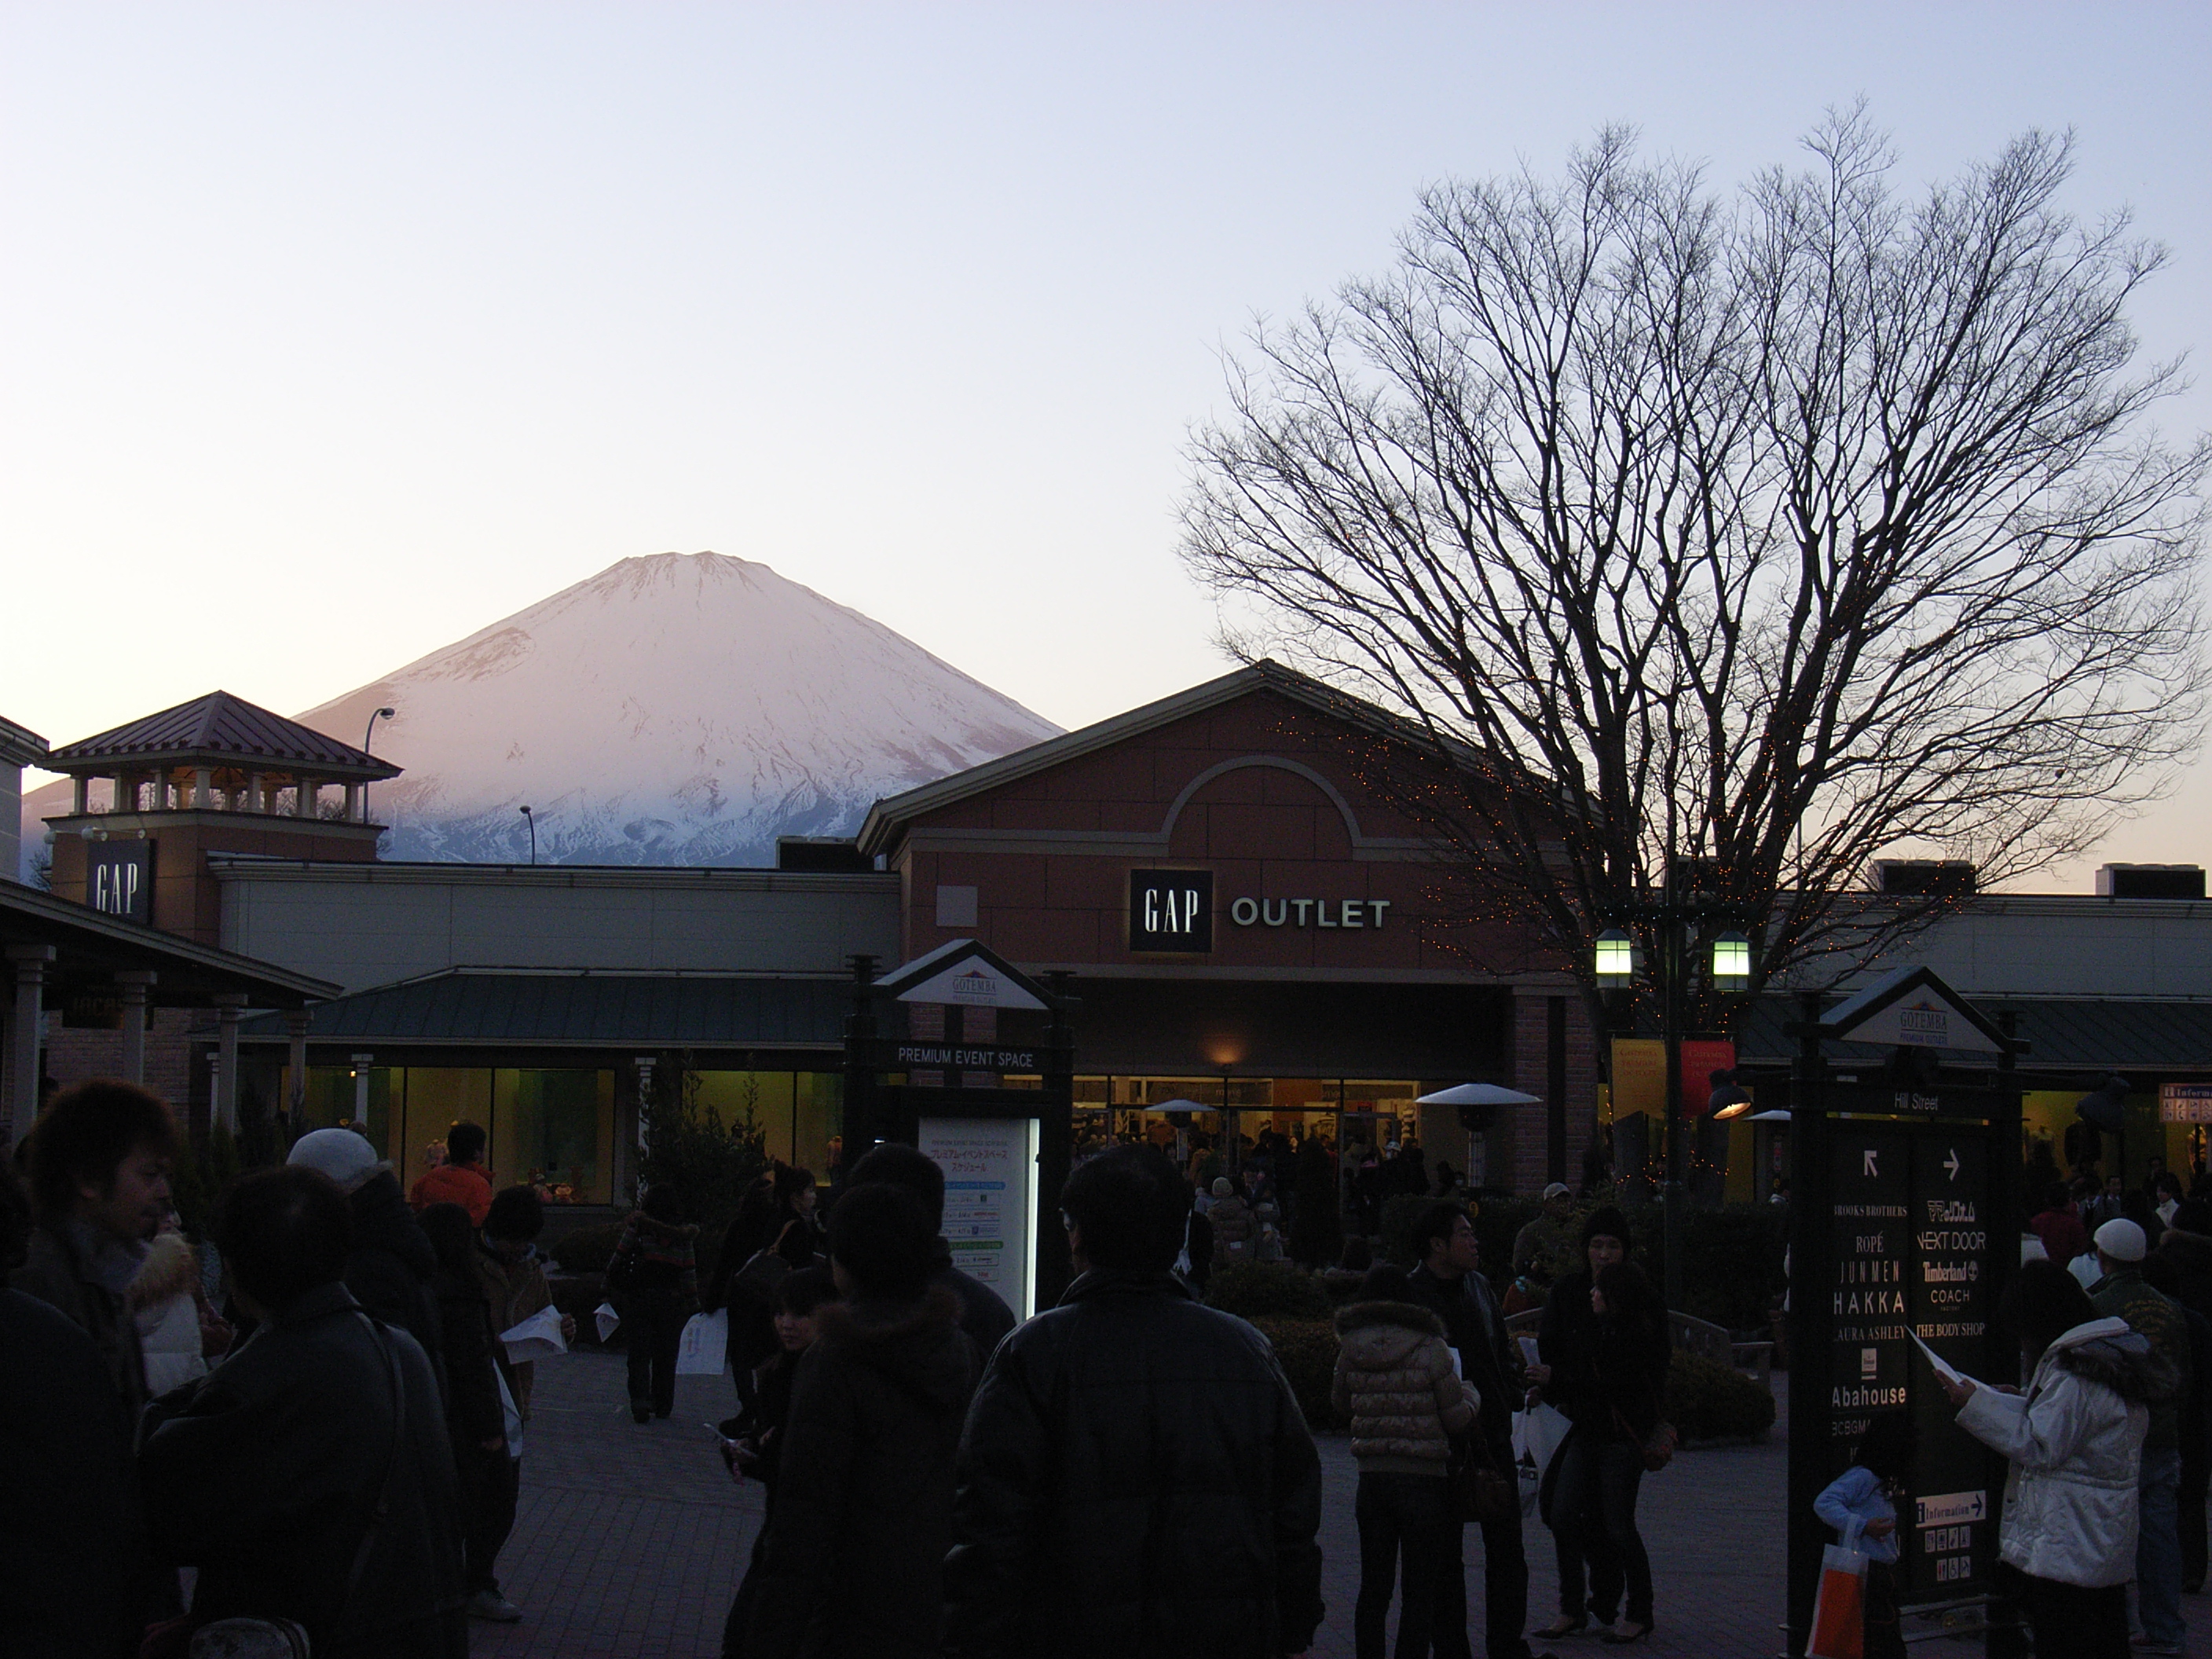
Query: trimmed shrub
(1307, 1350)
(1708, 1400)
(1269, 1289)
(588, 1249)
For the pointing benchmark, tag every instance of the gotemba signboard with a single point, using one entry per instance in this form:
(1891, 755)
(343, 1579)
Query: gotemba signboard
(1171, 910)
(118, 878)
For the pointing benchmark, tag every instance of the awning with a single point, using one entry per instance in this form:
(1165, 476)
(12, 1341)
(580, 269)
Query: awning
(90, 947)
(2063, 1033)
(480, 1008)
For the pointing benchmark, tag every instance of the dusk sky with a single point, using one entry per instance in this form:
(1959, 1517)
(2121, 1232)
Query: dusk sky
(330, 333)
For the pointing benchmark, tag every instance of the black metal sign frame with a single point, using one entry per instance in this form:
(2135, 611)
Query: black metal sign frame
(1905, 1221)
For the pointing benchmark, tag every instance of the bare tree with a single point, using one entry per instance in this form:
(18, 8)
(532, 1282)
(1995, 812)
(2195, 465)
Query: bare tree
(1783, 529)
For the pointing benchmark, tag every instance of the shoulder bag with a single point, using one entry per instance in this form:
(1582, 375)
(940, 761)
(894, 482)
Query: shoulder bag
(1480, 1490)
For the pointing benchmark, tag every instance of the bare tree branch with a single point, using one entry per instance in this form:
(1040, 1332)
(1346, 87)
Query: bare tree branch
(1784, 529)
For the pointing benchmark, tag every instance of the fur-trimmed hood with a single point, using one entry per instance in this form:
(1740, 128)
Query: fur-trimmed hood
(170, 1269)
(1364, 1315)
(2106, 1351)
(905, 1341)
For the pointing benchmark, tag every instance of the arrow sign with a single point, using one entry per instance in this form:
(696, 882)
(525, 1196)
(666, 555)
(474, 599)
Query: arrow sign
(1952, 1164)
(1870, 1169)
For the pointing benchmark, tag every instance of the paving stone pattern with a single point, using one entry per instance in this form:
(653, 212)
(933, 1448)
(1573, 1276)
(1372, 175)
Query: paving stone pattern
(631, 1541)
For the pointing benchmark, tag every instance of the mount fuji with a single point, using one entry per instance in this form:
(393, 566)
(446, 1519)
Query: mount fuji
(679, 709)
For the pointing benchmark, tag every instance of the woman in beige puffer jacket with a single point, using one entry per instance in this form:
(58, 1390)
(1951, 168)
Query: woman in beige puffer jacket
(1396, 1379)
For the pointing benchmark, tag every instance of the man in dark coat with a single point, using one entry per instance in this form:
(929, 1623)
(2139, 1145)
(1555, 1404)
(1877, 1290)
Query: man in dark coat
(70, 1577)
(390, 1264)
(1449, 1282)
(1136, 1477)
(984, 1314)
(853, 1563)
(100, 1171)
(287, 1476)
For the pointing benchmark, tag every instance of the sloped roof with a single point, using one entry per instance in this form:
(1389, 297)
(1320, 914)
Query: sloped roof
(224, 729)
(19, 746)
(887, 816)
(2087, 1033)
(475, 1007)
(91, 945)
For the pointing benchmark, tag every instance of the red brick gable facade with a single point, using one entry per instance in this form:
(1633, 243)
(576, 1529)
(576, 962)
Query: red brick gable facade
(1332, 944)
(1312, 877)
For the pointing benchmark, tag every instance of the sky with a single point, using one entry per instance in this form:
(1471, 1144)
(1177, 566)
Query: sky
(330, 334)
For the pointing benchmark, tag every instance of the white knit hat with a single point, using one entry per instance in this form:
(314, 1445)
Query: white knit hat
(343, 1156)
(2123, 1241)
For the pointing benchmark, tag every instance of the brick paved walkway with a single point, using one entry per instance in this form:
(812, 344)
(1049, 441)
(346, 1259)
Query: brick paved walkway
(631, 1541)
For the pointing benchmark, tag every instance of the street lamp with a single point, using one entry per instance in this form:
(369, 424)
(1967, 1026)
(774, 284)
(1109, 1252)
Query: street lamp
(1615, 964)
(369, 732)
(1617, 960)
(532, 823)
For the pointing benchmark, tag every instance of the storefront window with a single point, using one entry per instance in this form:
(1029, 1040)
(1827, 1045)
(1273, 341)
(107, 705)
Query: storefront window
(555, 1130)
(798, 1114)
(437, 1097)
(817, 1119)
(357, 1097)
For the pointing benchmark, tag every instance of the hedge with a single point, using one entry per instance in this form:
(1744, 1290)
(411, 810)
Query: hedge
(1269, 1290)
(1307, 1350)
(1708, 1400)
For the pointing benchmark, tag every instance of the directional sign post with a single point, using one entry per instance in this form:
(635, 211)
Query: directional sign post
(1904, 1224)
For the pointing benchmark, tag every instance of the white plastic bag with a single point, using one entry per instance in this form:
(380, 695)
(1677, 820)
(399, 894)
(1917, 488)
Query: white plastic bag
(606, 1318)
(704, 1347)
(1539, 1432)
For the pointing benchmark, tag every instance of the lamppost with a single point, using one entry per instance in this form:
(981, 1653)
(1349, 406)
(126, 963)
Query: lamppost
(532, 823)
(1617, 960)
(370, 732)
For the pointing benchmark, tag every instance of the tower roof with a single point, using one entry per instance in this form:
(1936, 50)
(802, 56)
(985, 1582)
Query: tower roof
(219, 730)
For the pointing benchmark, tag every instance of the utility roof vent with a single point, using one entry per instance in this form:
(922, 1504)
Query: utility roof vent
(1924, 878)
(831, 854)
(2151, 881)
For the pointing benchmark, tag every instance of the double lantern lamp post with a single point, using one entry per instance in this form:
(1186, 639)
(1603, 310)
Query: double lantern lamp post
(1617, 961)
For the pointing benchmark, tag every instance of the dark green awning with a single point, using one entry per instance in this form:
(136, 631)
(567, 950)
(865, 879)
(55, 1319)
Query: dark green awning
(595, 1010)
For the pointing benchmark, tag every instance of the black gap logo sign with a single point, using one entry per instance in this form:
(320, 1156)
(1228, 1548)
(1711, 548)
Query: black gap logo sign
(118, 878)
(1171, 910)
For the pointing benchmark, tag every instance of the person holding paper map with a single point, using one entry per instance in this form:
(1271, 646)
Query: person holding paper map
(2074, 1440)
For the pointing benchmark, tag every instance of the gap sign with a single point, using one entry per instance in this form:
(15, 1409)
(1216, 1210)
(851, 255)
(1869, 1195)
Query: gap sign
(118, 878)
(1171, 910)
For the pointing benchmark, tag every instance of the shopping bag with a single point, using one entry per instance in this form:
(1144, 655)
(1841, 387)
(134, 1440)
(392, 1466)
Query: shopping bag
(1539, 1432)
(606, 1318)
(703, 1349)
(1839, 1610)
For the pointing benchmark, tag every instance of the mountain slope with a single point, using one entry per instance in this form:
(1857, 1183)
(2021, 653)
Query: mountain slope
(674, 710)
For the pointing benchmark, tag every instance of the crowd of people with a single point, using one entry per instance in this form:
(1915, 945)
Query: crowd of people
(317, 1419)
(1129, 1472)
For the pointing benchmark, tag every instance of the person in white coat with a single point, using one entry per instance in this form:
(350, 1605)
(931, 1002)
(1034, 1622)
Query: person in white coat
(178, 1334)
(2074, 1437)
